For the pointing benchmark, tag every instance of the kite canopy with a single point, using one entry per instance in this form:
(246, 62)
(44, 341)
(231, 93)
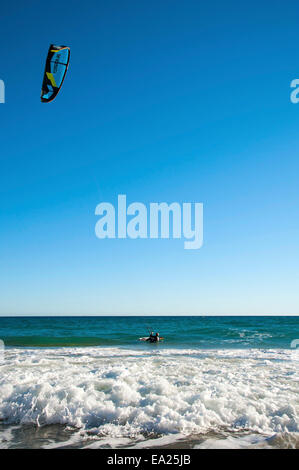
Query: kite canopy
(56, 67)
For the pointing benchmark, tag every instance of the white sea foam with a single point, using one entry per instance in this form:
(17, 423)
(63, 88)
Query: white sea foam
(232, 442)
(114, 393)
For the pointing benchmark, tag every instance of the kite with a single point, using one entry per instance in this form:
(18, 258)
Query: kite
(55, 71)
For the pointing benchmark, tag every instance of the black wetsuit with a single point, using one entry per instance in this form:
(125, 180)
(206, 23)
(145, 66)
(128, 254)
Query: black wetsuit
(153, 339)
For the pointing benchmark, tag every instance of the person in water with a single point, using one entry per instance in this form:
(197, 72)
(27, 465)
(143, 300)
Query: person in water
(153, 338)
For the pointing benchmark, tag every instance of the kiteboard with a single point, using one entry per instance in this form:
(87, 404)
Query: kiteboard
(145, 338)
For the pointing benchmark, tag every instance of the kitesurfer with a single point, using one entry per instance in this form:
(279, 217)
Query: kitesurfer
(153, 338)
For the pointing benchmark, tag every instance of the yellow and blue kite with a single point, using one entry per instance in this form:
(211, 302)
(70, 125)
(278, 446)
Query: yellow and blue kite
(55, 71)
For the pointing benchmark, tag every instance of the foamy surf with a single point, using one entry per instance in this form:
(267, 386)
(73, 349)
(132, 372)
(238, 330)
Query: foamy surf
(116, 397)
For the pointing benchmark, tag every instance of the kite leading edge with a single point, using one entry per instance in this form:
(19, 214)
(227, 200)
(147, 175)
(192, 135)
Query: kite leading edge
(56, 67)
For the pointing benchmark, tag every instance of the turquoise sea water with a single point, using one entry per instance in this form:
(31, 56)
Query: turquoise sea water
(186, 332)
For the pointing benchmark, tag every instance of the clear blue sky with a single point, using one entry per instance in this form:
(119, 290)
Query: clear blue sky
(163, 101)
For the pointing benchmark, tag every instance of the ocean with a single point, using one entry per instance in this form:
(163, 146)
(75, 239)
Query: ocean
(88, 382)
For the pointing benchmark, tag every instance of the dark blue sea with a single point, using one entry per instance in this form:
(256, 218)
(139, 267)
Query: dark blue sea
(179, 332)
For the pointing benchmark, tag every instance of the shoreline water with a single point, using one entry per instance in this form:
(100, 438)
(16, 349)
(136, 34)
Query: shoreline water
(241, 393)
(128, 398)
